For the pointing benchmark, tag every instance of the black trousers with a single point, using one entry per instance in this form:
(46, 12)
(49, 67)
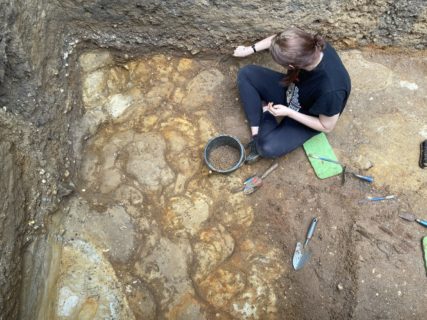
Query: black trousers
(257, 84)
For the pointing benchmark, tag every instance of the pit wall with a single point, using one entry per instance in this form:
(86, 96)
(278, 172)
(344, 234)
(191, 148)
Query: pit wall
(39, 43)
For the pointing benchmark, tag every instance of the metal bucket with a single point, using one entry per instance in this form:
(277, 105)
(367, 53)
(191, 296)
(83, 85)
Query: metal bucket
(224, 140)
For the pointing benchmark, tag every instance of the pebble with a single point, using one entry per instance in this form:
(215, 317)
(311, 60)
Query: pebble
(42, 172)
(44, 181)
(340, 287)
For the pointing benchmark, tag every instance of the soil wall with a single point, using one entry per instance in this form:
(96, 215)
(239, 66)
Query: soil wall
(40, 98)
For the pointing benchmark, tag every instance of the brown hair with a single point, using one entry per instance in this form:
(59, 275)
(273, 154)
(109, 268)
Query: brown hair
(297, 48)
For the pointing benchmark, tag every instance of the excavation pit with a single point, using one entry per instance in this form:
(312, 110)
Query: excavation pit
(148, 233)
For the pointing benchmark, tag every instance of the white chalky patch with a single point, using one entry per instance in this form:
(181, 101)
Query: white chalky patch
(67, 302)
(118, 105)
(247, 310)
(408, 85)
(423, 132)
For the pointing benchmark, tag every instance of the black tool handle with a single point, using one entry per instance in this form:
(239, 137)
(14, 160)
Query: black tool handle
(311, 229)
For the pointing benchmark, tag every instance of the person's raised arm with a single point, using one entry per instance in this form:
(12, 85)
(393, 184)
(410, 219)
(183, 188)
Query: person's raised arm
(244, 51)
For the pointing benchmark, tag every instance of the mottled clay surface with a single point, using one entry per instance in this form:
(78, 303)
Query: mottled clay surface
(172, 241)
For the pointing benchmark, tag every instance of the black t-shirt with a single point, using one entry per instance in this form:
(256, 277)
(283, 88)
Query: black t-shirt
(323, 90)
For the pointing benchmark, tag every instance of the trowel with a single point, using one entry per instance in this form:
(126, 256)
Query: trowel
(302, 254)
(255, 182)
(410, 217)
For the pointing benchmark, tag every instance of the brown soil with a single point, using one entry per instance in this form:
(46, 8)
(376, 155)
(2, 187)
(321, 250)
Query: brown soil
(224, 157)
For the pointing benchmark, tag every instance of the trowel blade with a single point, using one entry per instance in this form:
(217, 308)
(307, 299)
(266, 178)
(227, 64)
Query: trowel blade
(297, 255)
(300, 256)
(407, 216)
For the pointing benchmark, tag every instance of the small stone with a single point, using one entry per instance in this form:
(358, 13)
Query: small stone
(340, 287)
(42, 172)
(66, 173)
(44, 181)
(83, 190)
(364, 163)
(399, 293)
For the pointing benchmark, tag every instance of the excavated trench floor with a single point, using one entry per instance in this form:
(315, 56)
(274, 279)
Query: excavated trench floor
(150, 234)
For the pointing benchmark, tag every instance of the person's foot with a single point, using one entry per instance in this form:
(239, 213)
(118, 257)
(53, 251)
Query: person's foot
(253, 152)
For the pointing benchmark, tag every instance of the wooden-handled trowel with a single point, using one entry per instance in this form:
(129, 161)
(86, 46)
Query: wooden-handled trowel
(302, 254)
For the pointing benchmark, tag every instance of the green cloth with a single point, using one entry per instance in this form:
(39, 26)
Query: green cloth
(319, 146)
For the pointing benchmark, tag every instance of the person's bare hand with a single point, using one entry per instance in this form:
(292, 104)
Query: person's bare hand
(242, 51)
(278, 110)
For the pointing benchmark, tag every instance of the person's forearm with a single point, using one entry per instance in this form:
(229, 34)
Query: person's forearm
(314, 122)
(263, 44)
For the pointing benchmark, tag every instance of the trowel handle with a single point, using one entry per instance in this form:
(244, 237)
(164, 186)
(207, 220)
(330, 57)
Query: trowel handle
(422, 222)
(310, 231)
(365, 178)
(269, 170)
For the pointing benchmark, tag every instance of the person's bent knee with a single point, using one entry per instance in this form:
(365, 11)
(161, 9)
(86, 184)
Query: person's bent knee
(245, 73)
(265, 149)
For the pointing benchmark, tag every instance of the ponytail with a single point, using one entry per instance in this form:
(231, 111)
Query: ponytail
(318, 42)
